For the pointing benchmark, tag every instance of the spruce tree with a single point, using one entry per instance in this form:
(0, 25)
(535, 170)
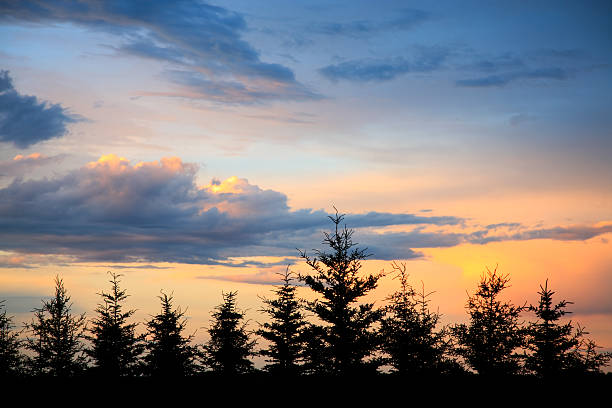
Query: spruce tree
(230, 346)
(490, 341)
(349, 330)
(170, 353)
(11, 359)
(408, 335)
(57, 337)
(559, 349)
(115, 346)
(284, 331)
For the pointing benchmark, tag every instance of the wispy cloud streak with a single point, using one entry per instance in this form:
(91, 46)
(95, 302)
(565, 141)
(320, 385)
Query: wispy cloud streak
(203, 41)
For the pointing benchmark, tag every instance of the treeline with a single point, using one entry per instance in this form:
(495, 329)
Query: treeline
(335, 335)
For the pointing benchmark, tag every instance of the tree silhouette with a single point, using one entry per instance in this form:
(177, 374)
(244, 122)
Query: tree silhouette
(489, 341)
(58, 334)
(170, 354)
(115, 347)
(229, 348)
(11, 360)
(285, 330)
(408, 333)
(349, 332)
(558, 349)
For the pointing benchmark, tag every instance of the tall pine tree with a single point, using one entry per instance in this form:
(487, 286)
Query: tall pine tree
(230, 347)
(489, 343)
(349, 331)
(170, 353)
(284, 331)
(57, 342)
(115, 347)
(559, 349)
(408, 335)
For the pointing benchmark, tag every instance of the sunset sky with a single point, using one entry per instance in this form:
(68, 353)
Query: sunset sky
(192, 147)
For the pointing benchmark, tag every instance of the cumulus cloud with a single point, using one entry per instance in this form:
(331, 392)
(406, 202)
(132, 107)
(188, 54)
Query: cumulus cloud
(24, 120)
(204, 40)
(425, 59)
(114, 211)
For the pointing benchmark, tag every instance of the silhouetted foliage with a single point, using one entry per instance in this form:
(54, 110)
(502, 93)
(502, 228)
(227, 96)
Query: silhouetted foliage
(230, 346)
(316, 353)
(170, 353)
(11, 359)
(408, 333)
(587, 360)
(490, 340)
(349, 332)
(284, 331)
(558, 349)
(58, 334)
(115, 347)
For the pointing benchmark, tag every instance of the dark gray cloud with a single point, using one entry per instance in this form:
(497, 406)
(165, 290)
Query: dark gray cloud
(113, 211)
(425, 59)
(204, 40)
(24, 120)
(406, 19)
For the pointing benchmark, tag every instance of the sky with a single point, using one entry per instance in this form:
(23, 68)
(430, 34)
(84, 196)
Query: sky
(193, 147)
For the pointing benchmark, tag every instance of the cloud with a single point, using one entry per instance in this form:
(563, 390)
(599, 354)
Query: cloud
(21, 164)
(30, 261)
(115, 266)
(265, 277)
(113, 211)
(425, 59)
(407, 19)
(500, 80)
(24, 120)
(518, 232)
(197, 86)
(203, 40)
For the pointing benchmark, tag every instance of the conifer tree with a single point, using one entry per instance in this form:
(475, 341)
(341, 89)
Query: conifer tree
(408, 333)
(115, 346)
(57, 343)
(349, 330)
(11, 360)
(559, 349)
(230, 346)
(490, 341)
(170, 353)
(285, 330)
